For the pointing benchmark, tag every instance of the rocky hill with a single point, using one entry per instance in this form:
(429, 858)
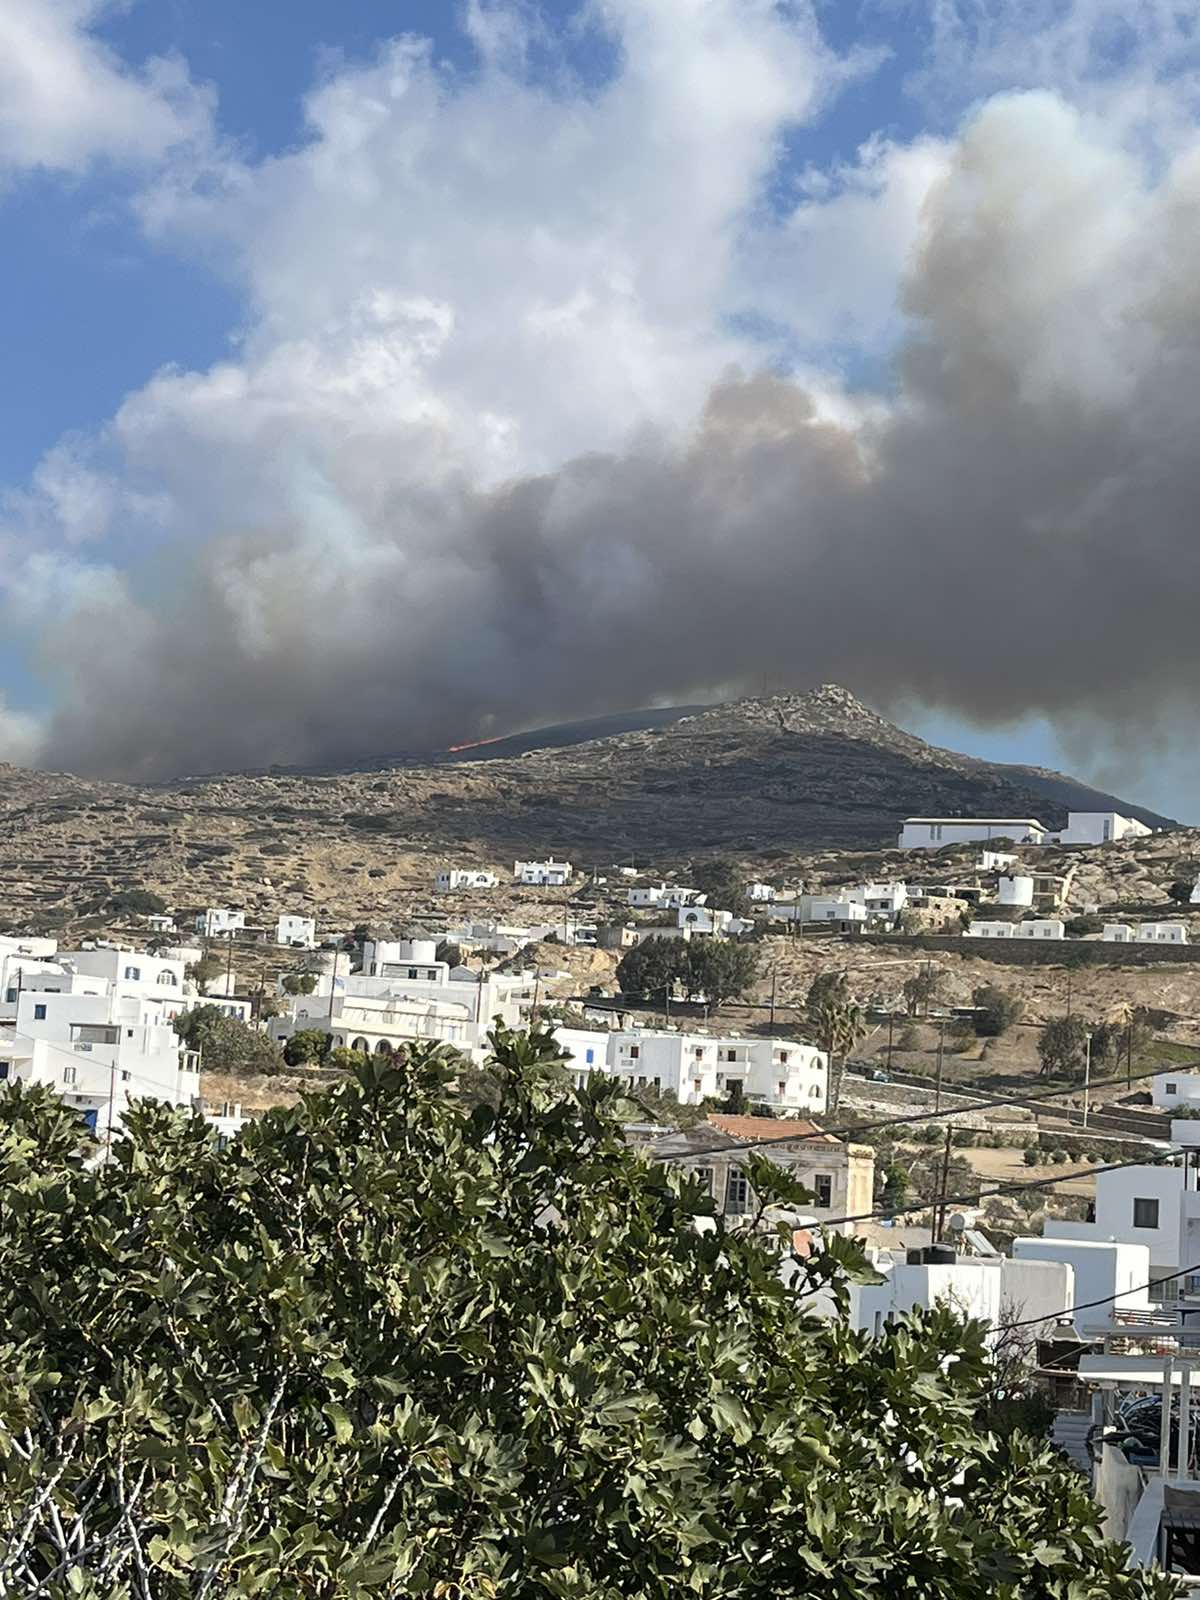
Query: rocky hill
(770, 780)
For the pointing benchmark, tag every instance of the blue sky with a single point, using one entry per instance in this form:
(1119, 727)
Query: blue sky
(275, 277)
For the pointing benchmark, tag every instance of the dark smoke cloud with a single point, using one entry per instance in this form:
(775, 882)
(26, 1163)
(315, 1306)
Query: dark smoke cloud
(1014, 531)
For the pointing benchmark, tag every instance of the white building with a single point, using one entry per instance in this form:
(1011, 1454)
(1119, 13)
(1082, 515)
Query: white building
(1031, 928)
(992, 1289)
(293, 929)
(1104, 1269)
(543, 874)
(99, 1046)
(1118, 933)
(1015, 891)
(707, 919)
(931, 833)
(219, 921)
(760, 893)
(451, 880)
(781, 1073)
(402, 994)
(1171, 1089)
(995, 860)
(885, 900)
(1162, 933)
(646, 895)
(819, 908)
(1100, 827)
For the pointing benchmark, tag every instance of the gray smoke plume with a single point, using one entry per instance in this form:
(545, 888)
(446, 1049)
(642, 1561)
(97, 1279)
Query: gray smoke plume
(1012, 530)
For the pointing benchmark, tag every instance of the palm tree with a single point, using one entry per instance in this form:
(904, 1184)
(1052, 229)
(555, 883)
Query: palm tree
(839, 1024)
(1123, 1015)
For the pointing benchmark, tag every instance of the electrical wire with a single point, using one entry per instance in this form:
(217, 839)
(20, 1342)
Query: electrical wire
(917, 1116)
(1024, 1187)
(1104, 1300)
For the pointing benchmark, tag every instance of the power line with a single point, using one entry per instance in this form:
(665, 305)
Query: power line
(1104, 1300)
(1023, 1187)
(916, 1116)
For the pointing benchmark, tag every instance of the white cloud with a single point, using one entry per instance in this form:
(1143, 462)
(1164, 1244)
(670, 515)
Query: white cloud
(66, 100)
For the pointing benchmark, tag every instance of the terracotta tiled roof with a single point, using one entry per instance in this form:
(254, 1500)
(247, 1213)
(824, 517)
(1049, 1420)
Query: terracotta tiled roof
(751, 1129)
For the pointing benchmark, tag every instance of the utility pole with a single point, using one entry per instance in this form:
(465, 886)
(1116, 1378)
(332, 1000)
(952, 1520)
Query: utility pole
(937, 1082)
(939, 1215)
(229, 963)
(1087, 1077)
(112, 1094)
(891, 1023)
(774, 977)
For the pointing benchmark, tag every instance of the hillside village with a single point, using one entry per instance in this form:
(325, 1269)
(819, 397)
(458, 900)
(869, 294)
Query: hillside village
(975, 1043)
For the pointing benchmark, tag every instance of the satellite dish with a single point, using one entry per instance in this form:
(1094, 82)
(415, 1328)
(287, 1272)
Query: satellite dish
(958, 1222)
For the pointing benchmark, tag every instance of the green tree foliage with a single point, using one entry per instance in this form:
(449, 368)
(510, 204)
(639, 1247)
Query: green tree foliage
(343, 1059)
(226, 1043)
(921, 990)
(389, 1345)
(724, 883)
(998, 1010)
(650, 969)
(205, 971)
(1086, 922)
(1181, 891)
(717, 969)
(295, 983)
(1061, 1046)
(307, 1046)
(135, 903)
(837, 1023)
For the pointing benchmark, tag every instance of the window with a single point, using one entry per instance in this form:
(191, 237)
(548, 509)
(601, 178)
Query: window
(133, 972)
(431, 973)
(704, 1177)
(1172, 1088)
(4, 1065)
(781, 1087)
(737, 1193)
(698, 1052)
(39, 1013)
(823, 1185)
(783, 1057)
(696, 1084)
(11, 997)
(1145, 1213)
(125, 1076)
(412, 972)
(589, 1055)
(68, 1075)
(169, 979)
(816, 1091)
(635, 1051)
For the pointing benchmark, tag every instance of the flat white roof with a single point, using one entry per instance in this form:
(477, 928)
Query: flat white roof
(989, 820)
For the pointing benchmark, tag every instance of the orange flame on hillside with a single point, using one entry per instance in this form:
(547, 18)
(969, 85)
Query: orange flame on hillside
(474, 744)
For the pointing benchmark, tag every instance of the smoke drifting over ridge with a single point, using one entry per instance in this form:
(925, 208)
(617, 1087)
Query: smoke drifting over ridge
(1013, 529)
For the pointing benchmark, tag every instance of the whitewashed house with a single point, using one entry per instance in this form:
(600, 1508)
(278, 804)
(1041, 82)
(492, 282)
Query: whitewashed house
(1015, 891)
(1104, 1269)
(707, 919)
(549, 874)
(646, 895)
(931, 833)
(995, 860)
(293, 929)
(219, 922)
(99, 1046)
(782, 1073)
(760, 894)
(990, 1288)
(1162, 933)
(1101, 827)
(882, 900)
(1031, 928)
(819, 908)
(1172, 1089)
(1118, 933)
(453, 880)
(677, 895)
